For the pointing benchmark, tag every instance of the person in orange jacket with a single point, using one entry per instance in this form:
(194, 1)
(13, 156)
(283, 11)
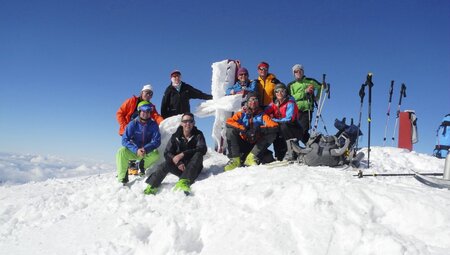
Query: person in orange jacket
(128, 109)
(249, 133)
(265, 84)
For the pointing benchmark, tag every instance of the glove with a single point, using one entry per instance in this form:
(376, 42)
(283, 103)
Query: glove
(309, 89)
(251, 134)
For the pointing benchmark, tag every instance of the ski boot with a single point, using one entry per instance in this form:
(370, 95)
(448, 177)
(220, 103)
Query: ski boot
(183, 185)
(132, 167)
(232, 164)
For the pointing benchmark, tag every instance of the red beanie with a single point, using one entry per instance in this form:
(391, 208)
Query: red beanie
(263, 64)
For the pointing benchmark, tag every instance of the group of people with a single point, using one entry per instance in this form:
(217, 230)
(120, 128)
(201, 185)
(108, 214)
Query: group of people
(272, 113)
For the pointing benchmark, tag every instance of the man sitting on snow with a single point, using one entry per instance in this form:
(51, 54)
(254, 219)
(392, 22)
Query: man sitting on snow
(184, 157)
(249, 133)
(140, 140)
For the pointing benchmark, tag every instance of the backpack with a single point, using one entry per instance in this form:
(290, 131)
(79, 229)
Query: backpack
(330, 150)
(443, 138)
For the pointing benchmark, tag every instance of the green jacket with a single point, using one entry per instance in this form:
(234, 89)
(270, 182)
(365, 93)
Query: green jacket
(297, 90)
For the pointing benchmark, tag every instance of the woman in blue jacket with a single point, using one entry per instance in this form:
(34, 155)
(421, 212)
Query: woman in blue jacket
(243, 84)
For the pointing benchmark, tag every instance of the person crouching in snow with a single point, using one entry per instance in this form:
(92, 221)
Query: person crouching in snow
(243, 84)
(140, 141)
(184, 157)
(249, 133)
(284, 111)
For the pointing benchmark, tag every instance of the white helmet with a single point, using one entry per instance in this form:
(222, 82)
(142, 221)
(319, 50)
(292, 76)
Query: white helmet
(147, 87)
(297, 67)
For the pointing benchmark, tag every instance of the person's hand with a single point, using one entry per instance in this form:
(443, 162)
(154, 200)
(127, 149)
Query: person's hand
(251, 134)
(309, 89)
(141, 152)
(232, 92)
(177, 158)
(182, 167)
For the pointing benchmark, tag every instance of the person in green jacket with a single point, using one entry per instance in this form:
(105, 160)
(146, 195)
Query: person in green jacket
(305, 91)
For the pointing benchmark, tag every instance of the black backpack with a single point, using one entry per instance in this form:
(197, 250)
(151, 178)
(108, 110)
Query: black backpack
(330, 150)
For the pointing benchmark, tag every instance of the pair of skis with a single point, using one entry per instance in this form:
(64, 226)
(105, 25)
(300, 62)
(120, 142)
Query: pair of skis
(425, 178)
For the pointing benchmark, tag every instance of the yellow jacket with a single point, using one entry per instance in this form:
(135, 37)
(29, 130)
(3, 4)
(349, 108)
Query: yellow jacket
(266, 88)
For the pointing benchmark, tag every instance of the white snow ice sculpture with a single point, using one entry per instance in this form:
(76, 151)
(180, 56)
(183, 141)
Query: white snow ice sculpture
(221, 106)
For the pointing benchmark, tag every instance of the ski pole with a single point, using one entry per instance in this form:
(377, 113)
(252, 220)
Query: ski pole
(369, 83)
(322, 87)
(402, 94)
(362, 93)
(388, 112)
(327, 92)
(376, 175)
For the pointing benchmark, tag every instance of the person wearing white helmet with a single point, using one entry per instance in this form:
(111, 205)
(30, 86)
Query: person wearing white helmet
(305, 91)
(128, 110)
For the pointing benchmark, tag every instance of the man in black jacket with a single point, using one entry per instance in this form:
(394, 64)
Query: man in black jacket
(176, 97)
(184, 157)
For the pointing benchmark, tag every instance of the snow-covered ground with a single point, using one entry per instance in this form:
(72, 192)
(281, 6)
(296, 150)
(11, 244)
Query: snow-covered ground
(50, 206)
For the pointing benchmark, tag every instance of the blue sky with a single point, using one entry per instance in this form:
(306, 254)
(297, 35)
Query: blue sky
(66, 66)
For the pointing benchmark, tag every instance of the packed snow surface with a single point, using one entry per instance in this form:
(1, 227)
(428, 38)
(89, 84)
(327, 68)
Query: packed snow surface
(51, 206)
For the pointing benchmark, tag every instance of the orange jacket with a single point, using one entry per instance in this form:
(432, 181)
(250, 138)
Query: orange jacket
(265, 89)
(243, 120)
(128, 108)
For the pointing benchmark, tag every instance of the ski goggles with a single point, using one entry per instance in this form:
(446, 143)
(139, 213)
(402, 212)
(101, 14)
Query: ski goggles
(188, 121)
(148, 92)
(280, 91)
(146, 108)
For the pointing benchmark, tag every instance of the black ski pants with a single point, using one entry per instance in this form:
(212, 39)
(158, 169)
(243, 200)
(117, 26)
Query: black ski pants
(288, 130)
(305, 122)
(238, 147)
(193, 169)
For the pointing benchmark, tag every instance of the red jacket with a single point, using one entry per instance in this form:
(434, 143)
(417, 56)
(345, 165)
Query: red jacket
(128, 108)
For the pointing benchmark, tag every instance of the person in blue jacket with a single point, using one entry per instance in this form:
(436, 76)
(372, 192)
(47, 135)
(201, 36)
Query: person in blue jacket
(243, 84)
(140, 141)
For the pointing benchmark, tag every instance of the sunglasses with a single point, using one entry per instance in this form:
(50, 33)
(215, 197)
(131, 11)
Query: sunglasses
(253, 99)
(297, 71)
(150, 93)
(242, 74)
(263, 69)
(280, 91)
(188, 121)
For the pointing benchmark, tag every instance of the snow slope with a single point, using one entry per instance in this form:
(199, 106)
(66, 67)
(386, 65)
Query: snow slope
(287, 210)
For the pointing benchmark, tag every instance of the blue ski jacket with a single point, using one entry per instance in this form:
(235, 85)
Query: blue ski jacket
(239, 89)
(138, 134)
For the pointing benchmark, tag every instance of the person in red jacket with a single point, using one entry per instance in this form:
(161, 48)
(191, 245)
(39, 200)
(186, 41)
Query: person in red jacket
(284, 111)
(128, 109)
